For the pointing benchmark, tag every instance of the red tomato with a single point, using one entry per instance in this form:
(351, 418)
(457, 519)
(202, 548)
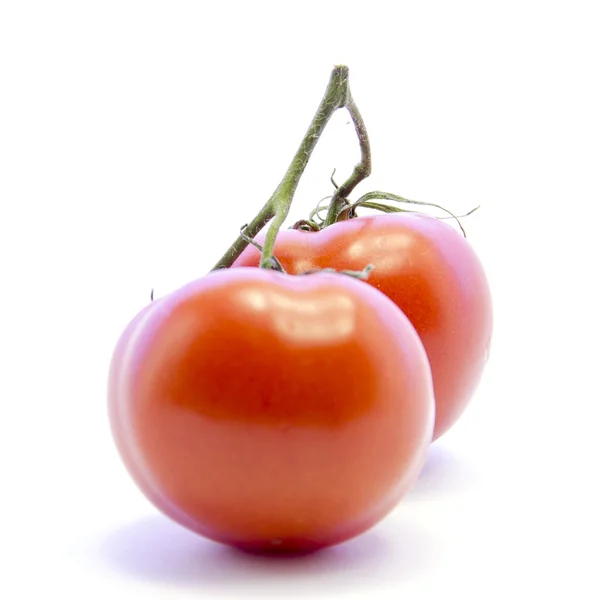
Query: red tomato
(272, 412)
(430, 271)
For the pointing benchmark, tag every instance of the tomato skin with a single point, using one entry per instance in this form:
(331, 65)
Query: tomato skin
(272, 412)
(430, 271)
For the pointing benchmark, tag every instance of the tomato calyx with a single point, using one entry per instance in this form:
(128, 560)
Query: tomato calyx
(366, 201)
(375, 200)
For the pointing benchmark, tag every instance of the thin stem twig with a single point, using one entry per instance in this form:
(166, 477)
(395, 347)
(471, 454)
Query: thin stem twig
(361, 171)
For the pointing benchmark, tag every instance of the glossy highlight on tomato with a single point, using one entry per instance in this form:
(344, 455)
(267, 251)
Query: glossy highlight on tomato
(272, 412)
(430, 271)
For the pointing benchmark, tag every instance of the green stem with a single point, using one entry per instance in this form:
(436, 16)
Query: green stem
(361, 171)
(337, 95)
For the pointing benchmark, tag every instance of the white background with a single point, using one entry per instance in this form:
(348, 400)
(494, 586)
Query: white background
(137, 137)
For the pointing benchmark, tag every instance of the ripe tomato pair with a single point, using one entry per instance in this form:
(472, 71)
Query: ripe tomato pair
(280, 412)
(272, 412)
(290, 412)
